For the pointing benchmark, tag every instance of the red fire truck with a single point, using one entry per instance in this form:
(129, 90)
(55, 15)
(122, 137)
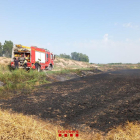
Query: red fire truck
(33, 54)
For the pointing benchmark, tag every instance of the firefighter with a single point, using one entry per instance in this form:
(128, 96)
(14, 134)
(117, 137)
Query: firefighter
(16, 63)
(25, 62)
(37, 64)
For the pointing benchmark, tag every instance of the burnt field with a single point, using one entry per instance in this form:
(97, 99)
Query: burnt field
(100, 102)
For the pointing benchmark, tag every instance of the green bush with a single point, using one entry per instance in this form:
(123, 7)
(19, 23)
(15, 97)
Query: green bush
(21, 80)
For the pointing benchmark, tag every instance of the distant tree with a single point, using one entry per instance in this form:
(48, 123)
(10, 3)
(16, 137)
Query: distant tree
(79, 57)
(114, 63)
(65, 56)
(1, 54)
(7, 48)
(75, 56)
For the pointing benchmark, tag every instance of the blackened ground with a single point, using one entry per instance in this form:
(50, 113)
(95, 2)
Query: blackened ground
(98, 102)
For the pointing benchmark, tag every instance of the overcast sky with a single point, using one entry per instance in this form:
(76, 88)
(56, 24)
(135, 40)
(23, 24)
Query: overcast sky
(106, 30)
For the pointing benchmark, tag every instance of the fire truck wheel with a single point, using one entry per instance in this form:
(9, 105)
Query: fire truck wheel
(50, 67)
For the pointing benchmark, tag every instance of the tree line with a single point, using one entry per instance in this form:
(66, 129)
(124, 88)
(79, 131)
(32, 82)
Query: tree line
(6, 48)
(76, 56)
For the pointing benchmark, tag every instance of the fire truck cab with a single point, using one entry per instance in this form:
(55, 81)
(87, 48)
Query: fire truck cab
(33, 54)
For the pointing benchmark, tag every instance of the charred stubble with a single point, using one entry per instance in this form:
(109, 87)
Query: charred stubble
(98, 102)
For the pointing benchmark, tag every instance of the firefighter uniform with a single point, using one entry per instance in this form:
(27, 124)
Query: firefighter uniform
(25, 62)
(37, 64)
(16, 63)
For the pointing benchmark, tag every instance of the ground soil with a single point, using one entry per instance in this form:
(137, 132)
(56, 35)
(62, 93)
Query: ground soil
(95, 102)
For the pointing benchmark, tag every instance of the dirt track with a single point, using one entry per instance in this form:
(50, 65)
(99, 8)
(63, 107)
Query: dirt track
(96, 102)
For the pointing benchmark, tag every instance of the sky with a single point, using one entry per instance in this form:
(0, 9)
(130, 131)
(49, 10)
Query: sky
(107, 31)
